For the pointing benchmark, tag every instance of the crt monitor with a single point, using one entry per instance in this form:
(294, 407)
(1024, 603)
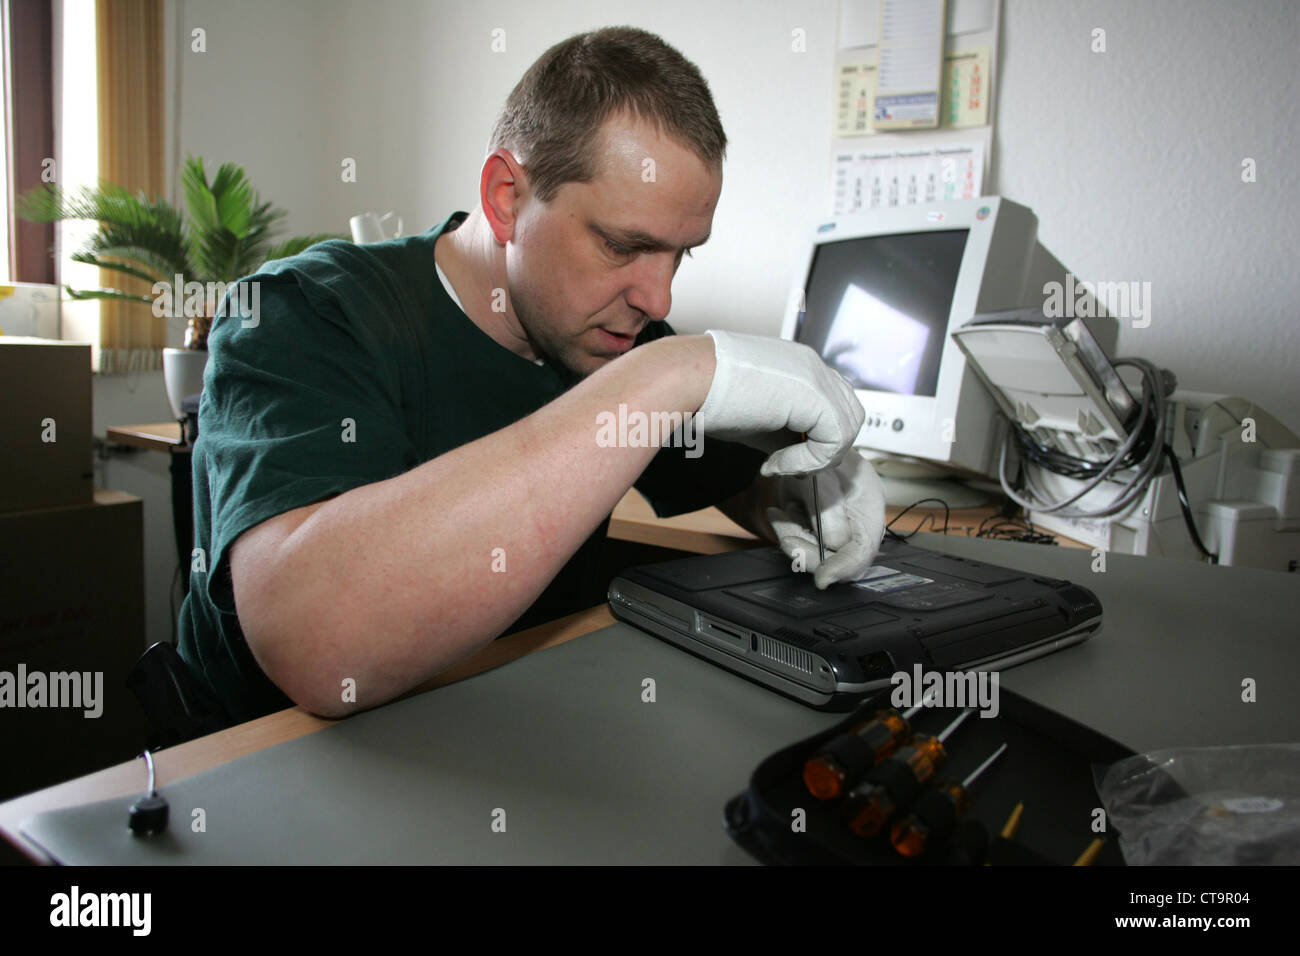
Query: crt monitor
(879, 294)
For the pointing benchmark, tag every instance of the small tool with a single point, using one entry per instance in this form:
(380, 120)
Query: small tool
(936, 813)
(1091, 853)
(1010, 828)
(895, 781)
(817, 511)
(848, 756)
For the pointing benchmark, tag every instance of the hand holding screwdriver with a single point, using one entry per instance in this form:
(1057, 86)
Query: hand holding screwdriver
(836, 520)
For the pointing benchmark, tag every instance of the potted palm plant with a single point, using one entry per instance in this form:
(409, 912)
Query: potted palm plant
(227, 235)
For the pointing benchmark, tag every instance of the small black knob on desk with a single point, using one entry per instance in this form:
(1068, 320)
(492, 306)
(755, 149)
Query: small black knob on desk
(149, 815)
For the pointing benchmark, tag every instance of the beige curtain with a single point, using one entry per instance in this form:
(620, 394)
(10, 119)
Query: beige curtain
(129, 43)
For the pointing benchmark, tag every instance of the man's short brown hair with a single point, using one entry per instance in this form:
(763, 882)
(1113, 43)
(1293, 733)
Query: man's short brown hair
(555, 113)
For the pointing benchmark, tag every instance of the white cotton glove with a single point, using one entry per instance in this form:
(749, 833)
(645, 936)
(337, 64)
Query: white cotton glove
(762, 385)
(853, 519)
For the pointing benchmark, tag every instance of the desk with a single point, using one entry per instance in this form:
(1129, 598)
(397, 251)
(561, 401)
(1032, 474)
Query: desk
(709, 531)
(1165, 670)
(164, 436)
(168, 437)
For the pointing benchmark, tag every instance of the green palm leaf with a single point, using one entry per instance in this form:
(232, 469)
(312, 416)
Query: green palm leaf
(224, 235)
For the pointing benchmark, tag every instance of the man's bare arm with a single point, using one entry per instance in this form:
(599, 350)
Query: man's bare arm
(390, 583)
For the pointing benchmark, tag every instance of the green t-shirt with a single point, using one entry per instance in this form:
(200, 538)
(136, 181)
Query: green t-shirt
(362, 342)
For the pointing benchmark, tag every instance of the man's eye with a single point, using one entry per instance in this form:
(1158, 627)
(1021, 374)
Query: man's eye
(617, 249)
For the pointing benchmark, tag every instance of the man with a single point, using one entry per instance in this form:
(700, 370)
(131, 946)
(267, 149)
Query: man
(398, 459)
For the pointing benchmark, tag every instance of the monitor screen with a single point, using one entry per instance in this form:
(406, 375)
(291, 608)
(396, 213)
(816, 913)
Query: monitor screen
(877, 308)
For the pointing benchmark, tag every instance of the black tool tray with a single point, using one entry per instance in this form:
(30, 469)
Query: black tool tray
(1048, 766)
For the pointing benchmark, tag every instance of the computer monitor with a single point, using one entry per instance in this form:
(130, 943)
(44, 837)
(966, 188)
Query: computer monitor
(879, 295)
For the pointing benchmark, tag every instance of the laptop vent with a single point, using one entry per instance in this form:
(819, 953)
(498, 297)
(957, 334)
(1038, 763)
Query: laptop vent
(795, 638)
(785, 654)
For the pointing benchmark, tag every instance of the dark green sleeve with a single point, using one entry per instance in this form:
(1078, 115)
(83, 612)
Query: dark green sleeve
(300, 407)
(675, 484)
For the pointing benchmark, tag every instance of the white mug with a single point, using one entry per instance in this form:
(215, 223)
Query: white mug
(368, 227)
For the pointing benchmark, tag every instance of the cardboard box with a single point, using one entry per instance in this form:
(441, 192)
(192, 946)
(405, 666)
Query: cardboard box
(45, 431)
(71, 601)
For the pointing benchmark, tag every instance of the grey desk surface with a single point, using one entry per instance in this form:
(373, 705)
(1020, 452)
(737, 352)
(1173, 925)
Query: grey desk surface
(561, 747)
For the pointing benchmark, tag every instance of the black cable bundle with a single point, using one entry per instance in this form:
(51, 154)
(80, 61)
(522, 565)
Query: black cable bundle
(1143, 450)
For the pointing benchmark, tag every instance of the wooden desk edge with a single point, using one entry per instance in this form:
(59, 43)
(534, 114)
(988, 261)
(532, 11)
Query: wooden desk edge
(161, 436)
(193, 757)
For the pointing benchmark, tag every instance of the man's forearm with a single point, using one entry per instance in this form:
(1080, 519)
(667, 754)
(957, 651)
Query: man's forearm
(391, 583)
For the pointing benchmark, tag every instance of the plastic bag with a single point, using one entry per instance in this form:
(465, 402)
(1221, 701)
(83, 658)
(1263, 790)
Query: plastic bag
(1206, 805)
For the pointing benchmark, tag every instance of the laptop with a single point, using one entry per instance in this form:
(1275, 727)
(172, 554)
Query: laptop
(749, 612)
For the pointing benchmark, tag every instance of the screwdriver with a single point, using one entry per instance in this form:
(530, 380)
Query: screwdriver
(894, 782)
(817, 509)
(854, 753)
(936, 813)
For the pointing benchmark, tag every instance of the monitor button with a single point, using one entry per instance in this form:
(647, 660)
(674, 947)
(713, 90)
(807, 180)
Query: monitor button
(898, 424)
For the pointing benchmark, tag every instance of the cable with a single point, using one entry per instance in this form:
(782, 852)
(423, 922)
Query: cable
(1142, 449)
(1013, 529)
(903, 537)
(148, 815)
(1187, 508)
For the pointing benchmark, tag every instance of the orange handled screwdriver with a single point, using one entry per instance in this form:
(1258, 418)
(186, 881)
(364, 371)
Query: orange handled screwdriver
(852, 754)
(895, 781)
(936, 813)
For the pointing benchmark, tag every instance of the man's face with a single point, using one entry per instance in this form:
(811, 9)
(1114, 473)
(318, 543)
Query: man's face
(588, 270)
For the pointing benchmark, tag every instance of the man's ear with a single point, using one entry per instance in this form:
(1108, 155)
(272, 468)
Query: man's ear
(502, 184)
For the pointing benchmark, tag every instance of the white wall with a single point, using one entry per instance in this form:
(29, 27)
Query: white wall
(1132, 161)
(1131, 158)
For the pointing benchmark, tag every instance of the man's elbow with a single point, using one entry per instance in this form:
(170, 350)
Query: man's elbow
(306, 670)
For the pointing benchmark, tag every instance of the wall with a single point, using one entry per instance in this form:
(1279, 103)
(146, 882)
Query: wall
(1132, 160)
(1131, 157)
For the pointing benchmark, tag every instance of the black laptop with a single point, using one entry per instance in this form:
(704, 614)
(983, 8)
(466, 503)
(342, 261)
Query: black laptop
(750, 613)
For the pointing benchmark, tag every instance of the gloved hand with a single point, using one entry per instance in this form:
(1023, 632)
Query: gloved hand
(762, 385)
(853, 519)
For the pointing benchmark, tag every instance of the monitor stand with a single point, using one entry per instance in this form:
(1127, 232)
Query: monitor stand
(901, 492)
(908, 480)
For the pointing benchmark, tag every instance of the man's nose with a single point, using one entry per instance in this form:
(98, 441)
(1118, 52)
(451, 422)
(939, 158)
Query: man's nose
(652, 286)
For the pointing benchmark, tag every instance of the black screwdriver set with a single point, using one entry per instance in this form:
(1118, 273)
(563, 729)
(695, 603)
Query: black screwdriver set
(933, 785)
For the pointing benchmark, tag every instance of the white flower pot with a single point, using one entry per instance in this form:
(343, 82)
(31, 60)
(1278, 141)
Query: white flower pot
(183, 375)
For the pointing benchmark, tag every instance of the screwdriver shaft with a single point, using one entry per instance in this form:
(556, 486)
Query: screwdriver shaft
(947, 731)
(965, 784)
(817, 509)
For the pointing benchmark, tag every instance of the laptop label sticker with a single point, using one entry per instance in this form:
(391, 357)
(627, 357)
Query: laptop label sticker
(898, 582)
(879, 571)
(785, 596)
